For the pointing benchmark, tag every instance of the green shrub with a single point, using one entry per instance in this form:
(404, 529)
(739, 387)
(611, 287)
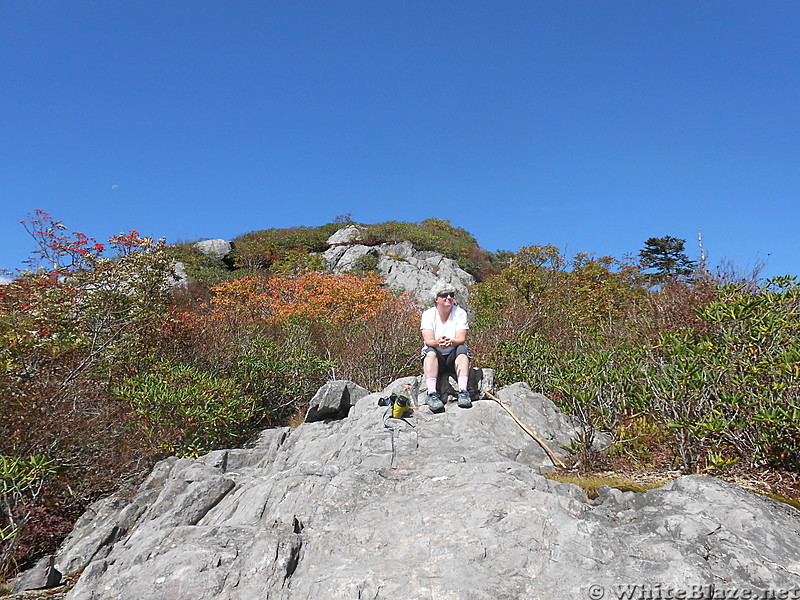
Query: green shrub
(728, 392)
(734, 389)
(596, 386)
(436, 235)
(365, 263)
(641, 440)
(282, 373)
(194, 412)
(294, 262)
(205, 270)
(260, 249)
(21, 483)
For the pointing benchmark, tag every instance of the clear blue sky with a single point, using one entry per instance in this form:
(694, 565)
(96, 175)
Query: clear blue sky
(588, 125)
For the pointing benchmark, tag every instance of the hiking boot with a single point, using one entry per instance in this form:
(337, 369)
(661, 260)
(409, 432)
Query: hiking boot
(435, 402)
(464, 401)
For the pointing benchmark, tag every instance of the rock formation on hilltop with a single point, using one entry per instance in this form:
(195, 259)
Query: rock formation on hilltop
(422, 273)
(319, 512)
(401, 266)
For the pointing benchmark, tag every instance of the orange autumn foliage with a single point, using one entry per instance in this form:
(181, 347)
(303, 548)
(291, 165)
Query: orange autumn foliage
(310, 296)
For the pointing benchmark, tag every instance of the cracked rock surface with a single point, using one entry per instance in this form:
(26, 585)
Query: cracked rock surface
(319, 512)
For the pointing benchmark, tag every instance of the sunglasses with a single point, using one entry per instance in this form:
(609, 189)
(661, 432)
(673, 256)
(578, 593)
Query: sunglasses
(446, 295)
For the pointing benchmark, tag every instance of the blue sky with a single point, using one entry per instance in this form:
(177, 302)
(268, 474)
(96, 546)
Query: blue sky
(588, 125)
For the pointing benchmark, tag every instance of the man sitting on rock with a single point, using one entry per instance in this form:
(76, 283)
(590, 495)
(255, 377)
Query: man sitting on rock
(444, 329)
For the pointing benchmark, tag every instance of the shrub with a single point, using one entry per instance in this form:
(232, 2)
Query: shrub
(203, 269)
(21, 484)
(436, 235)
(67, 329)
(366, 263)
(587, 302)
(594, 385)
(726, 392)
(189, 412)
(733, 389)
(281, 373)
(363, 331)
(308, 297)
(297, 262)
(376, 351)
(260, 249)
(97, 313)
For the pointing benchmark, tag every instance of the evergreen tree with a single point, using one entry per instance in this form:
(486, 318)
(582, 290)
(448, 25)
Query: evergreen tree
(667, 258)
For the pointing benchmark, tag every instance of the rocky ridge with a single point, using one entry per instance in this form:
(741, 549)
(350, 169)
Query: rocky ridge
(402, 267)
(319, 511)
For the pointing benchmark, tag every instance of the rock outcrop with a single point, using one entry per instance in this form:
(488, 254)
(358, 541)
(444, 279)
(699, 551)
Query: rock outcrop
(217, 249)
(403, 268)
(319, 512)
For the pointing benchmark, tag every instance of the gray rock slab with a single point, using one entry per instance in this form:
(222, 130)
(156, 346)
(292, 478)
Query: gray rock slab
(107, 520)
(319, 512)
(42, 576)
(346, 235)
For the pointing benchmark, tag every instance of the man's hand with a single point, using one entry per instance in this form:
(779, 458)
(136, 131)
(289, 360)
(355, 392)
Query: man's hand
(445, 342)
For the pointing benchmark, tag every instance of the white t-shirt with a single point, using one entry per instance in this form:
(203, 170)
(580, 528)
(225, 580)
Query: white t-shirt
(455, 322)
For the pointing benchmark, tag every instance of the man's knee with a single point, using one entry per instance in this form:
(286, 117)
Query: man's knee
(431, 362)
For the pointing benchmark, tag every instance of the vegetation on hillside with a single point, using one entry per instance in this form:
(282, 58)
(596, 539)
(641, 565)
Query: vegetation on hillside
(105, 367)
(295, 249)
(713, 369)
(437, 235)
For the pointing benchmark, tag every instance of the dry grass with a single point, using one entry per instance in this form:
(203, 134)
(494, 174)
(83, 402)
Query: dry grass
(641, 481)
(592, 482)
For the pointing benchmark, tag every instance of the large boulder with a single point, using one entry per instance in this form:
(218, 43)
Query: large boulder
(334, 400)
(449, 505)
(218, 249)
